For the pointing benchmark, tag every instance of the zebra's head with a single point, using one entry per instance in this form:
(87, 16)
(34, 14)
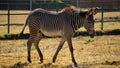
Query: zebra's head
(89, 21)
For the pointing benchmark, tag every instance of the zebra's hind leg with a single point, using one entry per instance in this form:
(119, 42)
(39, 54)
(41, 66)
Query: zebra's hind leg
(39, 51)
(29, 44)
(36, 43)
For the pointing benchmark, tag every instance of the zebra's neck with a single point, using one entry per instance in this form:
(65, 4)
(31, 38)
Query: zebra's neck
(76, 21)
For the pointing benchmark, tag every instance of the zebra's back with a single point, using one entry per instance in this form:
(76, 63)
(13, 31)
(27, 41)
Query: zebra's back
(50, 24)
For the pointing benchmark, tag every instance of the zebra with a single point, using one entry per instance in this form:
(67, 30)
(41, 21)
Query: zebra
(64, 23)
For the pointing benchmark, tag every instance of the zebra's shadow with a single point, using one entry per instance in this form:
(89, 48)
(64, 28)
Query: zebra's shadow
(41, 65)
(19, 65)
(54, 65)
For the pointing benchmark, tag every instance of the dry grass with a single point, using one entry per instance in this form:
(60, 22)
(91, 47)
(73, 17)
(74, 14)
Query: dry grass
(107, 14)
(13, 29)
(14, 19)
(107, 26)
(101, 52)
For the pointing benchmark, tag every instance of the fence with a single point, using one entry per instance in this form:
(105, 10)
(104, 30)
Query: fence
(56, 6)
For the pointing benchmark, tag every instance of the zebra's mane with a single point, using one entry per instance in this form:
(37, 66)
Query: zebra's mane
(69, 9)
(83, 13)
(44, 11)
(72, 9)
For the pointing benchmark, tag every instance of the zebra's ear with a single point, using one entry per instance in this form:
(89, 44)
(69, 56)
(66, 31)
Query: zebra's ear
(90, 12)
(96, 10)
(93, 11)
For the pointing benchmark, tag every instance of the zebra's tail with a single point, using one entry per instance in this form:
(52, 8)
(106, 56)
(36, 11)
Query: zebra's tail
(21, 33)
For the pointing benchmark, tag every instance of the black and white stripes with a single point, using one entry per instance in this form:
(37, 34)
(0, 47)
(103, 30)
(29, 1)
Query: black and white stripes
(62, 24)
(48, 22)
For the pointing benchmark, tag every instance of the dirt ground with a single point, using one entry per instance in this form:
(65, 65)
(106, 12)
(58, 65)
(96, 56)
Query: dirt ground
(100, 52)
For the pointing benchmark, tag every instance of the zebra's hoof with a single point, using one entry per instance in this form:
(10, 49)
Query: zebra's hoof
(29, 61)
(75, 64)
(53, 61)
(41, 61)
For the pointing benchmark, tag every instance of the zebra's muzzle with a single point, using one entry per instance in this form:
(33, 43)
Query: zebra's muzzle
(92, 34)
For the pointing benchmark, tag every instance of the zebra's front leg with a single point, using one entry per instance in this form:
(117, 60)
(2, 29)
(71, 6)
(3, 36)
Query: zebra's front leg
(69, 40)
(58, 49)
(29, 44)
(39, 51)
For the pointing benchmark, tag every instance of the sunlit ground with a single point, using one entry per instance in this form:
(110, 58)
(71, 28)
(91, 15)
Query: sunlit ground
(100, 52)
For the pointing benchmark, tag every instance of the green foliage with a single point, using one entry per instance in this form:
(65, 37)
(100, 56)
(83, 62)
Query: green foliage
(13, 36)
(89, 40)
(79, 33)
(59, 1)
